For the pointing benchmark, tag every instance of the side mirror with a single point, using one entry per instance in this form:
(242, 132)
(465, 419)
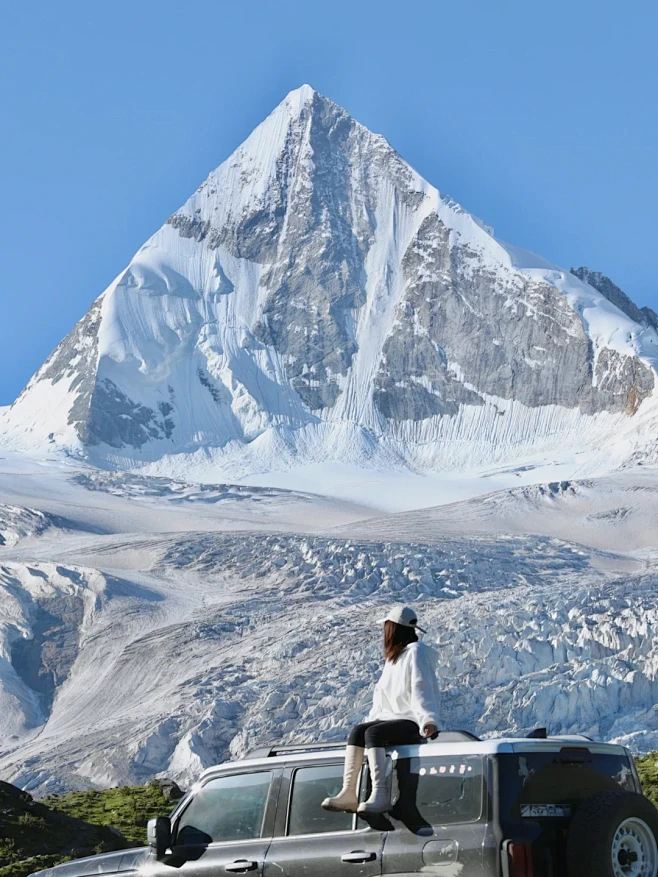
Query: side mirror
(158, 833)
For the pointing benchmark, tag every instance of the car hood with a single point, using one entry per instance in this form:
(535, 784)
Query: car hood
(106, 863)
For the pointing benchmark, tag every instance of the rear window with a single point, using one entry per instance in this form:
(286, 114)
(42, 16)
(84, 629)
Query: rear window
(552, 784)
(438, 790)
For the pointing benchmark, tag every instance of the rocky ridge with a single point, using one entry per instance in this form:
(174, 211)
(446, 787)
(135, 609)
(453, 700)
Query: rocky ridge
(644, 316)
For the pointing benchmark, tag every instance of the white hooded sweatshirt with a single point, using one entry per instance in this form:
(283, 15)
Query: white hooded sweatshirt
(408, 689)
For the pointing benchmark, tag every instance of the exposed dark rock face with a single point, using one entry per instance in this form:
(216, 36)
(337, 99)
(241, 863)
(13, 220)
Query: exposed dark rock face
(44, 661)
(313, 234)
(100, 411)
(622, 377)
(321, 276)
(615, 295)
(651, 317)
(116, 420)
(462, 333)
(76, 358)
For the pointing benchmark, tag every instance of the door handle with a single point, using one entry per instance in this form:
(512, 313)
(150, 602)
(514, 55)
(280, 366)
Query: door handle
(241, 866)
(358, 857)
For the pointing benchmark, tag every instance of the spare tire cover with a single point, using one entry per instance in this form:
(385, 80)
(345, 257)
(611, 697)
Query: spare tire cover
(613, 833)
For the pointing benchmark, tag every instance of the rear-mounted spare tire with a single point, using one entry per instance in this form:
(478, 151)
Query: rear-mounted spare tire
(613, 834)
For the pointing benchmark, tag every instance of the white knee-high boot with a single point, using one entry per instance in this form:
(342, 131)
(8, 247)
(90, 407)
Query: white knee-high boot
(346, 799)
(380, 798)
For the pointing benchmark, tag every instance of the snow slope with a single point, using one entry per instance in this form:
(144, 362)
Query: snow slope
(317, 300)
(616, 513)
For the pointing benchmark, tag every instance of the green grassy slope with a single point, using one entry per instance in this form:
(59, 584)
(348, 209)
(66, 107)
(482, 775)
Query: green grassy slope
(127, 808)
(32, 836)
(39, 834)
(647, 767)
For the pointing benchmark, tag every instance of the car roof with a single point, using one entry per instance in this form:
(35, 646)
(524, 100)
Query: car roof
(492, 746)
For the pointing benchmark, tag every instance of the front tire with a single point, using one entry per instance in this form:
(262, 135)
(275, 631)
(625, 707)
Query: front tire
(613, 834)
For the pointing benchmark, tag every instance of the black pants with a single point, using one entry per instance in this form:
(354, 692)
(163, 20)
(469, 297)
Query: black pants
(395, 733)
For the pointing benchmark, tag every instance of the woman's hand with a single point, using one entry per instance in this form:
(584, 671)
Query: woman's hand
(429, 730)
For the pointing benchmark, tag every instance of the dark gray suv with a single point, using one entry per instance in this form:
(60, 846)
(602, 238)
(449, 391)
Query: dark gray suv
(462, 807)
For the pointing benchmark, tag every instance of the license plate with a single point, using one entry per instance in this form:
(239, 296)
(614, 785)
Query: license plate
(546, 810)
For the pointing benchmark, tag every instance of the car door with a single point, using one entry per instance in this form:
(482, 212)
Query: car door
(312, 842)
(439, 821)
(225, 828)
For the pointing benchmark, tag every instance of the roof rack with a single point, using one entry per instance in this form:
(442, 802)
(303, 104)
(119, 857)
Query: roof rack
(274, 750)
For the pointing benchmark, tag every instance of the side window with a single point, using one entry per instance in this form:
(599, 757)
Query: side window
(228, 808)
(438, 790)
(310, 786)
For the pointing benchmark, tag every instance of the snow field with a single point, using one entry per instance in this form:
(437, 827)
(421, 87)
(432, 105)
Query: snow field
(617, 513)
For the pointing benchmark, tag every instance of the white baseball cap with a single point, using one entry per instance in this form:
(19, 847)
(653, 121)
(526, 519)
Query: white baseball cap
(403, 615)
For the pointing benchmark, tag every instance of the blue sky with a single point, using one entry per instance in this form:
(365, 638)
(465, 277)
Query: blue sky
(538, 117)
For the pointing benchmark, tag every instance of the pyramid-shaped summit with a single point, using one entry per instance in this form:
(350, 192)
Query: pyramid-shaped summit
(317, 299)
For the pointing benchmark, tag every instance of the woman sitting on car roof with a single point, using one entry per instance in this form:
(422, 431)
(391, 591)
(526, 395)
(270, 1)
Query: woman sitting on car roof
(405, 708)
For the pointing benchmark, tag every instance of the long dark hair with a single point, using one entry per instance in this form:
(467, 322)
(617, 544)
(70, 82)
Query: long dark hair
(396, 638)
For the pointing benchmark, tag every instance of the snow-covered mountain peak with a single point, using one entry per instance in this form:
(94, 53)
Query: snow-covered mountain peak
(316, 298)
(300, 98)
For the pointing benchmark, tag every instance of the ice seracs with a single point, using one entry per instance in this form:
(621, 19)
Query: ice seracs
(203, 646)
